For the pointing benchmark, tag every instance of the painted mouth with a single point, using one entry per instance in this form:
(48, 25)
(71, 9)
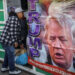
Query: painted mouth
(59, 56)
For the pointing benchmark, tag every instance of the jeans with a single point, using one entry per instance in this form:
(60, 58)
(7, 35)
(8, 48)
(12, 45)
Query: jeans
(9, 59)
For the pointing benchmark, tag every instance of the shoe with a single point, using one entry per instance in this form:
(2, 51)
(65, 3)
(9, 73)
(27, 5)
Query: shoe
(4, 69)
(14, 72)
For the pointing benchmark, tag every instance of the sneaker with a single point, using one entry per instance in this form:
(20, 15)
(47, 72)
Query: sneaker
(14, 72)
(4, 69)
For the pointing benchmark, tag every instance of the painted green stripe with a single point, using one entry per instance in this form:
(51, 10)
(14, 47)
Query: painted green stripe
(42, 71)
(0, 32)
(2, 54)
(1, 47)
(1, 4)
(1, 16)
(1, 24)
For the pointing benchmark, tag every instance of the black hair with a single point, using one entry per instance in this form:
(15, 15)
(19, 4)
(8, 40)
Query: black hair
(12, 14)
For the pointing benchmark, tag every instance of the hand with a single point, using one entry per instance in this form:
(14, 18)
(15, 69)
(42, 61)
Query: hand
(16, 44)
(22, 46)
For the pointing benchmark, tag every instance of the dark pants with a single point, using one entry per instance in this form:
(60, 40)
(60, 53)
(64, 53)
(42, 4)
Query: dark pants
(9, 59)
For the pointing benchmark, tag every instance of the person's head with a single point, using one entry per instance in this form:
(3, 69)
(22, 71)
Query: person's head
(12, 9)
(58, 33)
(19, 12)
(59, 42)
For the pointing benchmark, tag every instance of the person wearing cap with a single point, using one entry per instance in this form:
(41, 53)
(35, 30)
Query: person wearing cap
(9, 39)
(24, 28)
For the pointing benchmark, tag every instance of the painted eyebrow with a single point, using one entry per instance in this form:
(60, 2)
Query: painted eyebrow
(52, 37)
(61, 37)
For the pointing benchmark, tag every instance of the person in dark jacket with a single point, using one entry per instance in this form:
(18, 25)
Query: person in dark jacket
(24, 32)
(9, 39)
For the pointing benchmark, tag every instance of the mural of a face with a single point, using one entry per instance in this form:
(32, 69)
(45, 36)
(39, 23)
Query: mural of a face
(60, 44)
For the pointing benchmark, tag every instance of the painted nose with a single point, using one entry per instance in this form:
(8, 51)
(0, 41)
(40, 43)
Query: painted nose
(57, 43)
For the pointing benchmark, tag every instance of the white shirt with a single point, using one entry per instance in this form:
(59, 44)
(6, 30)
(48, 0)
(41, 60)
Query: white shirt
(71, 68)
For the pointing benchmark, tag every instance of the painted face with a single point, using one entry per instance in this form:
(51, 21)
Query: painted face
(60, 44)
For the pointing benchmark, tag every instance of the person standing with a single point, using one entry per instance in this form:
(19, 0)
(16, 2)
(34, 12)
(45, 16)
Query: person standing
(24, 32)
(9, 39)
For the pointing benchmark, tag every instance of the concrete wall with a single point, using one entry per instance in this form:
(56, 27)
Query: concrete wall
(15, 3)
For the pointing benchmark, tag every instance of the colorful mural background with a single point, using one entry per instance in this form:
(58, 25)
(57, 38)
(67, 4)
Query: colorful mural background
(50, 41)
